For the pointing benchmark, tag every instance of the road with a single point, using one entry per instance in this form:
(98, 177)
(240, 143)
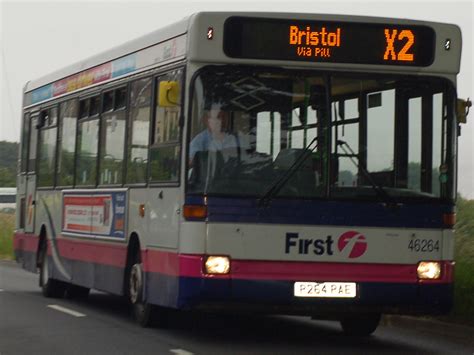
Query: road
(32, 324)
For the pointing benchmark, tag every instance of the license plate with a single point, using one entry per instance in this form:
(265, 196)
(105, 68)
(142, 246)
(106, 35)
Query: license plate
(325, 289)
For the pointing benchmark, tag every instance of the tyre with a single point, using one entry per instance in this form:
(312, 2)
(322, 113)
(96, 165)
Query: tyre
(144, 313)
(360, 325)
(49, 287)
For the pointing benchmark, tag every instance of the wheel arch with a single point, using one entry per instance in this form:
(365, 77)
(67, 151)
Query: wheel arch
(134, 245)
(43, 239)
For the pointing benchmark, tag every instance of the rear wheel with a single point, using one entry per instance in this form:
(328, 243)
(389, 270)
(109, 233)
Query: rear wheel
(49, 286)
(360, 325)
(144, 313)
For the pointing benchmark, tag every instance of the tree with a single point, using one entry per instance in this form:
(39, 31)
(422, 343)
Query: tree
(8, 163)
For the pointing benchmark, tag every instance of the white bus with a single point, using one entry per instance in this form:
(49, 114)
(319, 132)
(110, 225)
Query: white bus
(7, 199)
(260, 162)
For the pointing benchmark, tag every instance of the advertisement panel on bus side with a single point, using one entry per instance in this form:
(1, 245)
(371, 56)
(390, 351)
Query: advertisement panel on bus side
(100, 213)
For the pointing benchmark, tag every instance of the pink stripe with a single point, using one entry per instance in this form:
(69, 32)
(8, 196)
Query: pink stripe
(26, 242)
(305, 271)
(160, 262)
(186, 265)
(99, 253)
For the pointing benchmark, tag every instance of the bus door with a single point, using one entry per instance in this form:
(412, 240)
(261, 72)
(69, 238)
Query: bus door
(28, 211)
(165, 152)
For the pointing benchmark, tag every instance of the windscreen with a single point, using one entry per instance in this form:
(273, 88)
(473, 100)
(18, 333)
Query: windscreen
(339, 136)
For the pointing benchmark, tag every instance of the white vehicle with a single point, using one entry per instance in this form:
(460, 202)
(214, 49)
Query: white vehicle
(268, 162)
(7, 199)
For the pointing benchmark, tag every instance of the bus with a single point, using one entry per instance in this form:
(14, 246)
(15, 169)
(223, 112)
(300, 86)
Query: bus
(274, 163)
(7, 199)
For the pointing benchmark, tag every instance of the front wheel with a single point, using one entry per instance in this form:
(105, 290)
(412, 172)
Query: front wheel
(144, 313)
(50, 288)
(360, 325)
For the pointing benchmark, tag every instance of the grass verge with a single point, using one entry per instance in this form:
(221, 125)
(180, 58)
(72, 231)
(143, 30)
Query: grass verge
(7, 222)
(464, 257)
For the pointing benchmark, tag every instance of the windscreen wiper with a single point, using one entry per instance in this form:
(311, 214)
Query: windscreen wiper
(278, 184)
(379, 190)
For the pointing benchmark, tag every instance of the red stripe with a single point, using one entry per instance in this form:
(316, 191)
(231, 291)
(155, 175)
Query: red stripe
(100, 253)
(161, 262)
(185, 265)
(26, 242)
(262, 270)
(76, 249)
(301, 271)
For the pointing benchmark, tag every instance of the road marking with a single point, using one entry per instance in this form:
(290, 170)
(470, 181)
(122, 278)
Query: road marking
(66, 310)
(1, 290)
(181, 352)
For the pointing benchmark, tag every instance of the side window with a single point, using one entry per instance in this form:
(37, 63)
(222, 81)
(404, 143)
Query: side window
(67, 142)
(24, 142)
(165, 149)
(112, 137)
(32, 143)
(87, 144)
(47, 146)
(139, 128)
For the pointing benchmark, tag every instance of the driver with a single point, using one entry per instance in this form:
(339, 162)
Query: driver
(214, 137)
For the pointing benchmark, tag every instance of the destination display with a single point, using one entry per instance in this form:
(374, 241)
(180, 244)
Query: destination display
(328, 41)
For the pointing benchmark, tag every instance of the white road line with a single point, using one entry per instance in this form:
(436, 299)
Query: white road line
(66, 310)
(181, 352)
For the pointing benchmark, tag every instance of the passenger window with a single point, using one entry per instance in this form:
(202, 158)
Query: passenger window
(94, 105)
(32, 144)
(120, 98)
(108, 101)
(47, 147)
(87, 147)
(67, 142)
(139, 128)
(24, 143)
(112, 141)
(165, 149)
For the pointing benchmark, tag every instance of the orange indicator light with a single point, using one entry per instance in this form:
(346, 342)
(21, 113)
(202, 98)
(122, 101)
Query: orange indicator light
(194, 211)
(449, 219)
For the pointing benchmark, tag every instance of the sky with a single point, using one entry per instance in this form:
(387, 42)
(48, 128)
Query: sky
(39, 37)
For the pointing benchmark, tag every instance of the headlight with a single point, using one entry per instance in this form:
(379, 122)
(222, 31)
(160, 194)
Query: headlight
(217, 265)
(429, 270)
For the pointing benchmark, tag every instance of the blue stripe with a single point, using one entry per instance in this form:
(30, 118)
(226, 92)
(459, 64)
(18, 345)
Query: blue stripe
(384, 297)
(42, 93)
(324, 212)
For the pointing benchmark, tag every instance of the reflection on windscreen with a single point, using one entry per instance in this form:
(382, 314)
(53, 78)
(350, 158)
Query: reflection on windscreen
(250, 128)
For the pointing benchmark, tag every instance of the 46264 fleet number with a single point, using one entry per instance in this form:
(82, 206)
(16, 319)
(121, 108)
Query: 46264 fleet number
(423, 245)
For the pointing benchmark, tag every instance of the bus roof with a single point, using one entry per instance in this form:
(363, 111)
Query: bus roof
(183, 26)
(145, 41)
(7, 190)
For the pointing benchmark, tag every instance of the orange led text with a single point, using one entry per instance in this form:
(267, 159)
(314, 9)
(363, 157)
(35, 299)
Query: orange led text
(314, 43)
(391, 36)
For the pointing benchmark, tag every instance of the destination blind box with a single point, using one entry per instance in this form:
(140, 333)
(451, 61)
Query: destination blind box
(329, 41)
